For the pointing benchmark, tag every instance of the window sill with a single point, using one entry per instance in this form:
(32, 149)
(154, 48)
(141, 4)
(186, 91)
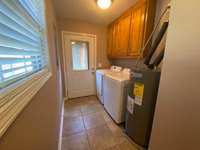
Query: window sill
(14, 98)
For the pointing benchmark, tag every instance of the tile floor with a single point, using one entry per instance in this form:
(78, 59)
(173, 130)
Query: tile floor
(88, 127)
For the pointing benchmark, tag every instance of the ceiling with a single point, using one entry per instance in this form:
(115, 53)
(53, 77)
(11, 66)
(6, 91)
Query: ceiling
(87, 10)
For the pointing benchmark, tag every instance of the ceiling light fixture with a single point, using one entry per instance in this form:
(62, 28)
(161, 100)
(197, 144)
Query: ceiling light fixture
(104, 4)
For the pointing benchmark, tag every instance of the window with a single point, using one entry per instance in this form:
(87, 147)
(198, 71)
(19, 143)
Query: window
(22, 40)
(24, 68)
(80, 55)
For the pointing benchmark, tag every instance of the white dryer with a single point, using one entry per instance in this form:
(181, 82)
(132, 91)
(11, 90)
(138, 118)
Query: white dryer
(114, 94)
(99, 83)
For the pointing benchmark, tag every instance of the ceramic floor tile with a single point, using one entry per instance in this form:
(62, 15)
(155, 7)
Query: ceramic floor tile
(126, 145)
(94, 120)
(89, 98)
(117, 132)
(87, 126)
(72, 109)
(86, 100)
(91, 108)
(76, 142)
(75, 102)
(72, 113)
(93, 102)
(116, 147)
(106, 117)
(72, 126)
(100, 138)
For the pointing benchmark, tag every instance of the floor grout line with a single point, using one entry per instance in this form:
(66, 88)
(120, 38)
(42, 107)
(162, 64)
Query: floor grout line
(87, 136)
(83, 115)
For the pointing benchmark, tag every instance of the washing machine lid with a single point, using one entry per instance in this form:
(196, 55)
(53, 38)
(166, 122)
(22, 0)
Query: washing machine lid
(114, 69)
(119, 76)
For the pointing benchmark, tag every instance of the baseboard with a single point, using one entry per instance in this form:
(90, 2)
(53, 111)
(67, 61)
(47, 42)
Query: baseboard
(61, 128)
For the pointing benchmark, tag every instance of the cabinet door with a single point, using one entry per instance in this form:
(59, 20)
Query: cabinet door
(121, 36)
(110, 40)
(137, 30)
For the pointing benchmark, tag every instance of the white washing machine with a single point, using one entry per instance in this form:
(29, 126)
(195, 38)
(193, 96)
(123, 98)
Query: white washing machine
(100, 80)
(114, 94)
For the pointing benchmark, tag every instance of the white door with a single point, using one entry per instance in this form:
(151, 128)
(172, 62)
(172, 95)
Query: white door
(80, 64)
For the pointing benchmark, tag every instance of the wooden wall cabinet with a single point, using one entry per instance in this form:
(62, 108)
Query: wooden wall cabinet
(128, 34)
(121, 35)
(110, 39)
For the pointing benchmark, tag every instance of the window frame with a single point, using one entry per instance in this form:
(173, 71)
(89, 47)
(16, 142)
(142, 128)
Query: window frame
(15, 97)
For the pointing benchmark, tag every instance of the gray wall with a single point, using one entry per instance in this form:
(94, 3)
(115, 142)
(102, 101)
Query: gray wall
(177, 123)
(37, 127)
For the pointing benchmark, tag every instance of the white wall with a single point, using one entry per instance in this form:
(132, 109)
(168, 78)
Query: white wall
(177, 123)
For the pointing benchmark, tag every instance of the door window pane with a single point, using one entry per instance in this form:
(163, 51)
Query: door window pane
(80, 52)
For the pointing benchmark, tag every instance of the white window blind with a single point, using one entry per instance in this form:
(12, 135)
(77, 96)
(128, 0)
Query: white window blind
(22, 40)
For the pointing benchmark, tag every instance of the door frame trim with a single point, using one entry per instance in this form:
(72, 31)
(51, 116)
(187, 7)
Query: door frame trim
(65, 69)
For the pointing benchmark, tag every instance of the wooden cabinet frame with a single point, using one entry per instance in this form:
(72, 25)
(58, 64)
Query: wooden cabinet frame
(135, 25)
